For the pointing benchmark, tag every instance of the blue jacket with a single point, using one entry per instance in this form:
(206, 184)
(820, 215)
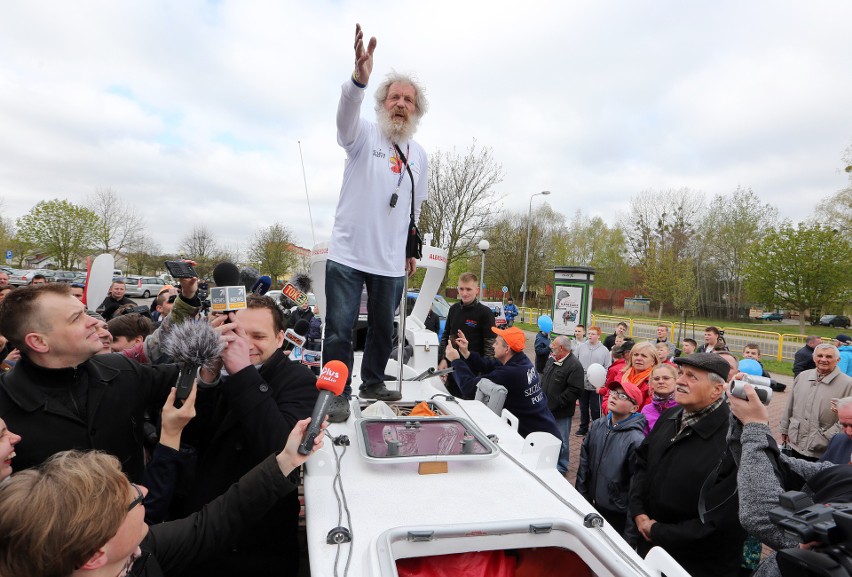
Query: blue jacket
(511, 311)
(845, 363)
(525, 399)
(542, 350)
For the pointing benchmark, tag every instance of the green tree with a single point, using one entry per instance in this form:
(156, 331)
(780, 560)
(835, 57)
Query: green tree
(800, 268)
(461, 201)
(272, 247)
(508, 237)
(143, 256)
(60, 228)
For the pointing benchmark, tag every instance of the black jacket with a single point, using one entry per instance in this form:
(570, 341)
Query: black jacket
(667, 485)
(803, 360)
(178, 546)
(112, 392)
(110, 305)
(475, 321)
(563, 384)
(241, 422)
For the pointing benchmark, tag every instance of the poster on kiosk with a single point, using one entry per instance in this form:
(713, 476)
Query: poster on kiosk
(572, 298)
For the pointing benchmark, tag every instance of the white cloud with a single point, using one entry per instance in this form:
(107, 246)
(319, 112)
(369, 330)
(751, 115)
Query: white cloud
(193, 110)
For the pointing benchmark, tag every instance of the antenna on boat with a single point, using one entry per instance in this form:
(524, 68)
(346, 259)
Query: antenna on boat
(304, 178)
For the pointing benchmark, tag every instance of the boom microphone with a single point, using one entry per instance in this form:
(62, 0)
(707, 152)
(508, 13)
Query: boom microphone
(191, 345)
(262, 285)
(296, 335)
(229, 294)
(330, 383)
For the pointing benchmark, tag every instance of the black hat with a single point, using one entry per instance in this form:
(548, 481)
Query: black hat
(710, 362)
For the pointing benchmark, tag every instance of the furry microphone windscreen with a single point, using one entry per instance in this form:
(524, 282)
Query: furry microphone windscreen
(193, 343)
(248, 277)
(302, 282)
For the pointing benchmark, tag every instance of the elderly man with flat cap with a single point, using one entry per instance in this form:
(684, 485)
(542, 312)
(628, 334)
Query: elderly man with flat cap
(683, 496)
(510, 368)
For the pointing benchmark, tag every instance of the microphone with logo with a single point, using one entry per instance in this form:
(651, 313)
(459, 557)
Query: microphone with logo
(229, 294)
(298, 334)
(330, 383)
(262, 285)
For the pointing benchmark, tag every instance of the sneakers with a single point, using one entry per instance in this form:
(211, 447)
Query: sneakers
(339, 411)
(379, 392)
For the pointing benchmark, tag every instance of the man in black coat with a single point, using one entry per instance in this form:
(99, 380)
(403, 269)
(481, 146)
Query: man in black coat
(240, 423)
(114, 299)
(474, 320)
(562, 382)
(60, 395)
(804, 358)
(84, 502)
(683, 496)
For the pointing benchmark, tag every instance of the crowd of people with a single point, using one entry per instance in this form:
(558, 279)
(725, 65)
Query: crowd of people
(113, 475)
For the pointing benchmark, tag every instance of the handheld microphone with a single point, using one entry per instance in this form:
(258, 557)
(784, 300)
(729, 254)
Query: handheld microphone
(262, 285)
(191, 345)
(229, 294)
(297, 335)
(330, 383)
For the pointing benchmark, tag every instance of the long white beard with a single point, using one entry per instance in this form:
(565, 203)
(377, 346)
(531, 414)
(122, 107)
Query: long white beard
(396, 131)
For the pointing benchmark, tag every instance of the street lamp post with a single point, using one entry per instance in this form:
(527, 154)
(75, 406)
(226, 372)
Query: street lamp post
(483, 246)
(527, 254)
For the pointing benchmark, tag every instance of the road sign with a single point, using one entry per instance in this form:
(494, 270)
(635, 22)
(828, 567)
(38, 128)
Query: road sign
(505, 289)
(8, 255)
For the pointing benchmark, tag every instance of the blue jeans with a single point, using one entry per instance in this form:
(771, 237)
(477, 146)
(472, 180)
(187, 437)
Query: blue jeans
(343, 287)
(564, 426)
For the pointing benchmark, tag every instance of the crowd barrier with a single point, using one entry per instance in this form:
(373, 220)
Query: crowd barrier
(779, 346)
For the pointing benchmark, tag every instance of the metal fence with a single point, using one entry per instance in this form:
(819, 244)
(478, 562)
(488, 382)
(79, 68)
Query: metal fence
(773, 345)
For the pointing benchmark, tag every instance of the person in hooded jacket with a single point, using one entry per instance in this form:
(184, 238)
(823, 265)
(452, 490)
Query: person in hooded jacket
(844, 345)
(608, 455)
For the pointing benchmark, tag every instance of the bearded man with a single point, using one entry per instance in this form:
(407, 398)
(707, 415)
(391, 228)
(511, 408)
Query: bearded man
(385, 173)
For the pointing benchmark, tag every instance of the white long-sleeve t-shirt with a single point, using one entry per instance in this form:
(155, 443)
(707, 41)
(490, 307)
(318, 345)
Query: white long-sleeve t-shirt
(368, 235)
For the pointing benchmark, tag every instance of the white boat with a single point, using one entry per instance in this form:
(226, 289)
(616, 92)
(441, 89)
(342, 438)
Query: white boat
(462, 482)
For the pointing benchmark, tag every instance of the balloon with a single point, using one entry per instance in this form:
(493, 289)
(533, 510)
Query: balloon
(751, 367)
(596, 375)
(545, 324)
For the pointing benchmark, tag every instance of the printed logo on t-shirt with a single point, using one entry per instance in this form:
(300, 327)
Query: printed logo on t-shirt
(471, 323)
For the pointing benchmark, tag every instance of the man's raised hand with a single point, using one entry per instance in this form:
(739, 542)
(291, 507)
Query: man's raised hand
(363, 58)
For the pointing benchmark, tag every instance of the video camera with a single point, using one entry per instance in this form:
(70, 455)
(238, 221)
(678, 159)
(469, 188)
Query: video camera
(141, 310)
(829, 524)
(762, 386)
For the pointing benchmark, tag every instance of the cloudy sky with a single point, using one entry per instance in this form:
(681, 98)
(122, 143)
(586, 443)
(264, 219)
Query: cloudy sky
(193, 111)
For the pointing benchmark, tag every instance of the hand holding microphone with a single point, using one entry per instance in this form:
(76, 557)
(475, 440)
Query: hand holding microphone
(330, 383)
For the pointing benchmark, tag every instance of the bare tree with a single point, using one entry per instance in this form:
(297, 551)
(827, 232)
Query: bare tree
(272, 247)
(200, 247)
(143, 255)
(731, 230)
(461, 199)
(836, 210)
(119, 224)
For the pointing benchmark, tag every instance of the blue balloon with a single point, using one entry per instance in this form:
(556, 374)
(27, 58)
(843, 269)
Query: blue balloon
(545, 324)
(751, 367)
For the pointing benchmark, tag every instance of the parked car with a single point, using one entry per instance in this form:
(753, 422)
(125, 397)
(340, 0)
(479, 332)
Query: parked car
(65, 276)
(144, 287)
(440, 307)
(771, 317)
(837, 321)
(26, 276)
